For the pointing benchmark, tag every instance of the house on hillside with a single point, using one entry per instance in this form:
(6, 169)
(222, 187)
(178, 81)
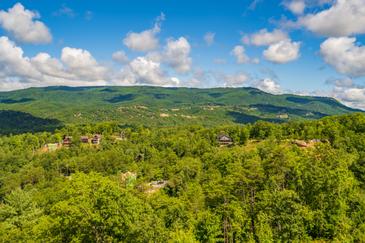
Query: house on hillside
(84, 139)
(67, 140)
(96, 139)
(224, 140)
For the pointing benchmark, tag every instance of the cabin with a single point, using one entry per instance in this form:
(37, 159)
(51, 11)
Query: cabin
(96, 139)
(224, 140)
(84, 139)
(67, 140)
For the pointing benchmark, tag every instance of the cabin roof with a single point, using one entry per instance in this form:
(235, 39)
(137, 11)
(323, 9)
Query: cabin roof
(224, 137)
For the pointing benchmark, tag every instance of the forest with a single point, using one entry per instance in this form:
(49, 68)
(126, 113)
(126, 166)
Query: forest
(298, 181)
(52, 107)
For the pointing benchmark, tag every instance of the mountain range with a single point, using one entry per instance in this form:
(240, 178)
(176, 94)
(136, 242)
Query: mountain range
(42, 109)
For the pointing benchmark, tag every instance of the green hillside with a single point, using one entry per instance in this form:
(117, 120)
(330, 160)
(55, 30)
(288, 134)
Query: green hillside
(155, 106)
(180, 184)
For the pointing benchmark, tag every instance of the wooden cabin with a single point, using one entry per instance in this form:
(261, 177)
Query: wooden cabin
(67, 140)
(96, 139)
(84, 139)
(224, 140)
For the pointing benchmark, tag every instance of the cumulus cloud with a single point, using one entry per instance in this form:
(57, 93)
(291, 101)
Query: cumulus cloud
(209, 38)
(47, 65)
(22, 24)
(295, 6)
(268, 85)
(146, 40)
(13, 63)
(177, 55)
(76, 67)
(81, 63)
(282, 52)
(281, 49)
(145, 71)
(344, 55)
(265, 38)
(347, 92)
(343, 18)
(240, 53)
(120, 56)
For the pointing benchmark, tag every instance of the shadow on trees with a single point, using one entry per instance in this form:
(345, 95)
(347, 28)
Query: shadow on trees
(12, 101)
(121, 98)
(16, 122)
(293, 111)
(245, 119)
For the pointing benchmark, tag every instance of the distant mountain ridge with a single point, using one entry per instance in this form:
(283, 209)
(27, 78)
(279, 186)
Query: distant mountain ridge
(157, 106)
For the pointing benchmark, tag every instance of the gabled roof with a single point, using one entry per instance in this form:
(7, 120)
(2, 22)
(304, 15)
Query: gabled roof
(224, 138)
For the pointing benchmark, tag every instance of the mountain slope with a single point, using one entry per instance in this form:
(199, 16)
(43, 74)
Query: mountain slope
(164, 106)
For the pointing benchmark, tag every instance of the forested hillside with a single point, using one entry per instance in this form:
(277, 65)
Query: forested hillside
(293, 182)
(39, 109)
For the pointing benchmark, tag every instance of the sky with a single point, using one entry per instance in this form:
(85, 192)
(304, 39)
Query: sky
(306, 47)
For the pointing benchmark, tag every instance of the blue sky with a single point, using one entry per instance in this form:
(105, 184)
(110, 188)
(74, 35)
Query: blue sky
(299, 46)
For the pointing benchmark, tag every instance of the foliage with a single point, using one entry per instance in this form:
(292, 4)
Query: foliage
(45, 109)
(188, 188)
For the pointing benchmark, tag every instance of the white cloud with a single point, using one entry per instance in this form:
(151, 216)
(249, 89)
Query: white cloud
(282, 52)
(120, 56)
(77, 67)
(348, 93)
(13, 63)
(21, 23)
(47, 65)
(268, 85)
(235, 80)
(265, 38)
(240, 53)
(296, 6)
(146, 40)
(177, 55)
(343, 18)
(209, 38)
(344, 55)
(144, 71)
(81, 63)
